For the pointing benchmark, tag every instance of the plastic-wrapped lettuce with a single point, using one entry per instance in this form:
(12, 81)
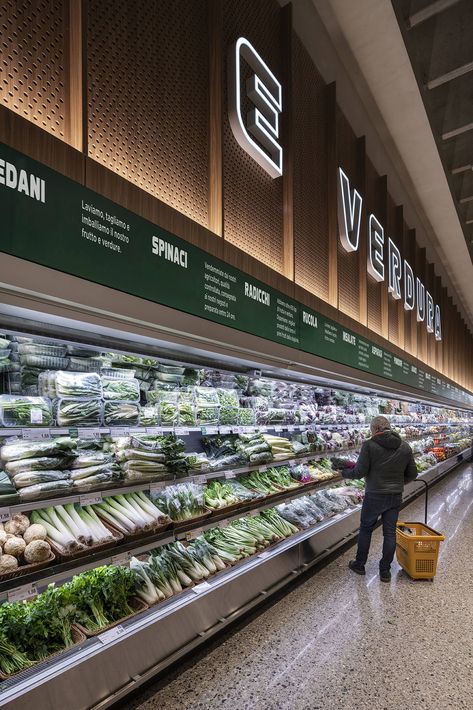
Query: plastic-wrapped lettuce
(78, 384)
(19, 449)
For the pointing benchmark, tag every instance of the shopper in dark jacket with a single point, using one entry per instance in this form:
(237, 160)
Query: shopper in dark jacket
(386, 463)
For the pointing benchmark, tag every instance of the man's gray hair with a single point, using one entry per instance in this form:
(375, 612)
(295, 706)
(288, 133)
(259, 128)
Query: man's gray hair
(380, 424)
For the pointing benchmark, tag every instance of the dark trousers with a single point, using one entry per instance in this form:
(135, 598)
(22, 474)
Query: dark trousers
(387, 506)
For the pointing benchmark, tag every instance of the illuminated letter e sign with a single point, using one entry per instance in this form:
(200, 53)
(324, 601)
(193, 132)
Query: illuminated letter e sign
(259, 135)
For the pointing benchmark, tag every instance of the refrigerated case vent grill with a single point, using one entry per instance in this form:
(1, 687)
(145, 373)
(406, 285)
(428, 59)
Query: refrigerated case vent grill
(32, 62)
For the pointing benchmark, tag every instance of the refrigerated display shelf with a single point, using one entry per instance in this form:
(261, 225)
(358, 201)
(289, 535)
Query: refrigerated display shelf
(123, 551)
(164, 633)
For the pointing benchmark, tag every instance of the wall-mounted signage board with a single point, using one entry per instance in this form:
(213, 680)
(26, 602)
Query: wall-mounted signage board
(53, 221)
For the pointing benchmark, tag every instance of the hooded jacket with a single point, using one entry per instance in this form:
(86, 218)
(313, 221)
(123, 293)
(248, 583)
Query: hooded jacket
(385, 462)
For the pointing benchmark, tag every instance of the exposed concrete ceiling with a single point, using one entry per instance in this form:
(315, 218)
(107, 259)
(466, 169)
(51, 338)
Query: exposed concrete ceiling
(360, 46)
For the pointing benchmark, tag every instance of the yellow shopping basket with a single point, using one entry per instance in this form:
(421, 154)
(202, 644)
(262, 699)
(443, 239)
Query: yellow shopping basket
(417, 547)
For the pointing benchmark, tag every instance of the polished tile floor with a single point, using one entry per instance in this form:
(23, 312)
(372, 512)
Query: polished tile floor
(338, 641)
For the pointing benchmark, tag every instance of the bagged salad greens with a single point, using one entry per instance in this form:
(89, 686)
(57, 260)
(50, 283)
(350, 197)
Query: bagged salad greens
(25, 411)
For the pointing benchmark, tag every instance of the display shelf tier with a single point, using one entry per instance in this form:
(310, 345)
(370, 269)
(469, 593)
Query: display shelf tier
(161, 635)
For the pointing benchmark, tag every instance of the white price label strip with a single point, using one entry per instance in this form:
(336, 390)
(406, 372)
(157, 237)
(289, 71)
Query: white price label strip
(154, 430)
(21, 593)
(90, 499)
(119, 431)
(36, 434)
(122, 559)
(225, 429)
(199, 479)
(192, 534)
(181, 431)
(89, 433)
(278, 428)
(263, 555)
(111, 634)
(230, 474)
(253, 513)
(223, 523)
(202, 587)
(4, 515)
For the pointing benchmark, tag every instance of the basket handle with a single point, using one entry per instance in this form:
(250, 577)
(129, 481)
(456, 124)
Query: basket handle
(421, 480)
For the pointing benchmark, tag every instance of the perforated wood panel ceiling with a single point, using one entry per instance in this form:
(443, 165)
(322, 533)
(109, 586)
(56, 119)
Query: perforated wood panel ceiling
(373, 288)
(310, 171)
(148, 97)
(33, 62)
(252, 199)
(348, 285)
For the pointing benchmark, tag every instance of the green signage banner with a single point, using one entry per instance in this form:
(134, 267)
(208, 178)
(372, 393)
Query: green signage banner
(53, 221)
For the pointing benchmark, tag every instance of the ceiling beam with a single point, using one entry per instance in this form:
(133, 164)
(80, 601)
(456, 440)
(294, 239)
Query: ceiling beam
(433, 9)
(450, 75)
(457, 131)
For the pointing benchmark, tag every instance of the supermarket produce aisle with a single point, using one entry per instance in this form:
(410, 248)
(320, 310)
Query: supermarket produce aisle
(336, 640)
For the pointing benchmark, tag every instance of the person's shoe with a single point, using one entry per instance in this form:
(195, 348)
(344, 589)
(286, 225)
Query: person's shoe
(385, 575)
(355, 567)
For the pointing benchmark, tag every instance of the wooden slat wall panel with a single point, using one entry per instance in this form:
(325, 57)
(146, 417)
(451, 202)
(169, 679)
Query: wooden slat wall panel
(348, 282)
(391, 233)
(310, 168)
(253, 201)
(373, 287)
(34, 62)
(148, 97)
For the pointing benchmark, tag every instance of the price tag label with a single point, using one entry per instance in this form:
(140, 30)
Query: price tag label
(278, 428)
(21, 593)
(202, 587)
(207, 430)
(225, 429)
(89, 433)
(35, 434)
(181, 431)
(199, 479)
(36, 415)
(139, 430)
(192, 534)
(90, 499)
(122, 559)
(111, 634)
(74, 433)
(119, 431)
(291, 428)
(157, 486)
(253, 513)
(230, 474)
(154, 430)
(223, 523)
(263, 468)
(263, 555)
(4, 515)
(59, 432)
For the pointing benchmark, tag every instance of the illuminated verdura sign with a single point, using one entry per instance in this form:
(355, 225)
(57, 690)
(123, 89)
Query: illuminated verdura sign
(258, 132)
(401, 280)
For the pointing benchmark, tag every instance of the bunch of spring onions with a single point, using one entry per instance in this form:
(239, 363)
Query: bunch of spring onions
(131, 513)
(248, 535)
(72, 527)
(173, 567)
